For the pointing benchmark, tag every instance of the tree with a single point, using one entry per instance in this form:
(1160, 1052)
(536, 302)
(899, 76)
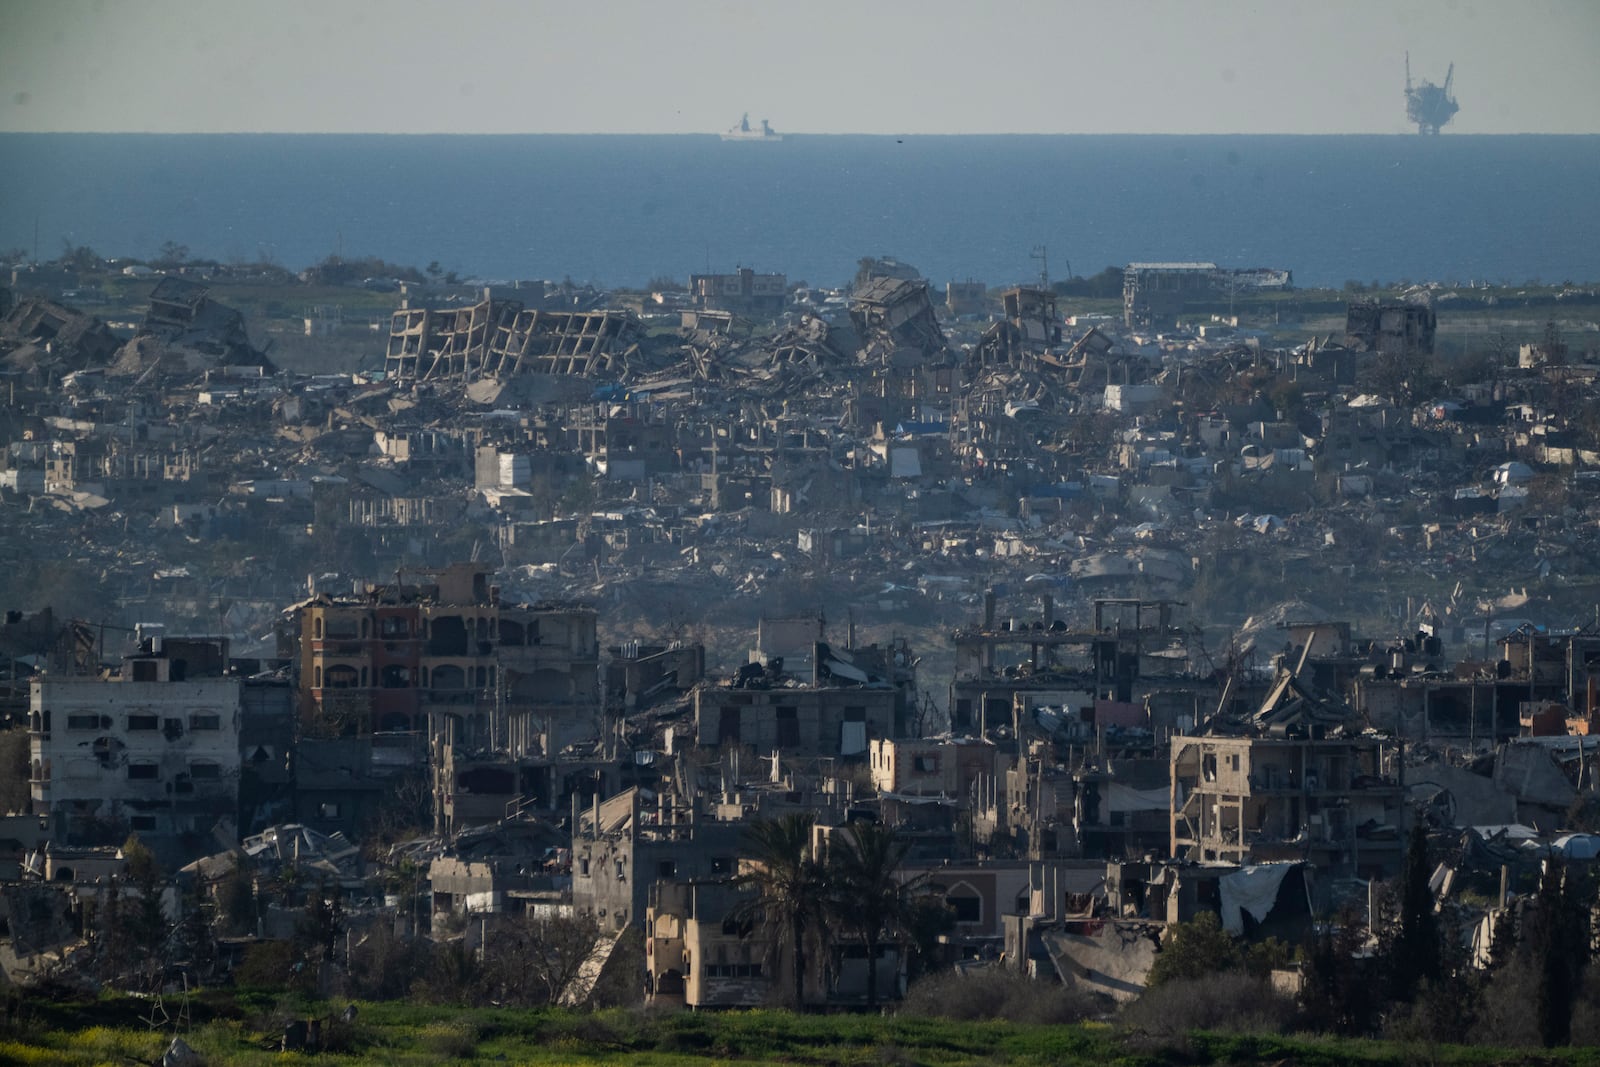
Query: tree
(535, 961)
(1414, 955)
(791, 891)
(236, 900)
(1339, 993)
(1558, 943)
(868, 894)
(172, 253)
(130, 927)
(80, 258)
(1195, 949)
(318, 929)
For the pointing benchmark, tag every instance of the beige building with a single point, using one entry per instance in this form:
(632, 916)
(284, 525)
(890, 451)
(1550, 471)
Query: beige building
(1245, 800)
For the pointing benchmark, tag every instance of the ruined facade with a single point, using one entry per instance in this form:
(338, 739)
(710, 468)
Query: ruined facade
(744, 292)
(1154, 293)
(144, 752)
(1331, 801)
(496, 338)
(895, 313)
(1391, 328)
(492, 691)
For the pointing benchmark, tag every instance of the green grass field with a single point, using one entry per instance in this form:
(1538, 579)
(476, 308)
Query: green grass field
(245, 1031)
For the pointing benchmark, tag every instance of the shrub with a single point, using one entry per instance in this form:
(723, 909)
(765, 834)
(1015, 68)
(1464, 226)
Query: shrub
(1231, 1001)
(266, 965)
(1442, 1013)
(1195, 949)
(1000, 994)
(450, 1041)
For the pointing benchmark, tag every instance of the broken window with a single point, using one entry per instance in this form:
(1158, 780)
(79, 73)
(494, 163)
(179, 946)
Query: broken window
(396, 677)
(106, 749)
(966, 905)
(341, 677)
(143, 771)
(788, 726)
(394, 626)
(202, 770)
(1208, 766)
(143, 722)
(205, 721)
(447, 636)
(449, 676)
(83, 722)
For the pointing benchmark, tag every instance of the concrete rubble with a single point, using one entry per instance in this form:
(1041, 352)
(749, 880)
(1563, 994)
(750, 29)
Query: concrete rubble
(574, 590)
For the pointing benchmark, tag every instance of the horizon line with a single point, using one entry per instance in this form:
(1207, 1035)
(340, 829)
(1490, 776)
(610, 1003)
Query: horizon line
(784, 133)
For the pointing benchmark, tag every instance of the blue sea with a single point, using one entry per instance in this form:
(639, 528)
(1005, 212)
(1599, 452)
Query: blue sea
(619, 210)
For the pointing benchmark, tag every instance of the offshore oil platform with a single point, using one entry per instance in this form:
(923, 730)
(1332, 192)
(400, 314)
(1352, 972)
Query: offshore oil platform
(1430, 106)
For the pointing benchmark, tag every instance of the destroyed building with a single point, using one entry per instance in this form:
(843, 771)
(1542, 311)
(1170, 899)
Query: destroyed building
(1295, 782)
(895, 313)
(1391, 328)
(500, 339)
(744, 292)
(153, 749)
(185, 331)
(48, 340)
(1155, 294)
(1131, 646)
(443, 672)
(624, 845)
(1030, 327)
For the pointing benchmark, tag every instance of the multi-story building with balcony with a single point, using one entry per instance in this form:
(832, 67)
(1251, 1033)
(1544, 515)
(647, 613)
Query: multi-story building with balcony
(442, 672)
(1298, 796)
(153, 750)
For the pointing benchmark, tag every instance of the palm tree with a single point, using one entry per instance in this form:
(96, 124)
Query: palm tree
(790, 890)
(868, 894)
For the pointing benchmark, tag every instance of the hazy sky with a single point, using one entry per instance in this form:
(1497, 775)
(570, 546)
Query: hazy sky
(812, 66)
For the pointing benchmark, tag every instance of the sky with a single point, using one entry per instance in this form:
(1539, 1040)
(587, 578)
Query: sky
(810, 66)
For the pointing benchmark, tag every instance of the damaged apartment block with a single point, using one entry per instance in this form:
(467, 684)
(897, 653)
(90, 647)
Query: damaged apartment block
(182, 318)
(502, 338)
(1296, 782)
(893, 313)
(1391, 328)
(1031, 327)
(153, 749)
(492, 693)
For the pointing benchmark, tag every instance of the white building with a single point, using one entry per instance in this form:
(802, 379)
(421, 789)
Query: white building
(156, 756)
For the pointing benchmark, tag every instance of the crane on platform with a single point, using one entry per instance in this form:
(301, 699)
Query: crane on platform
(1430, 106)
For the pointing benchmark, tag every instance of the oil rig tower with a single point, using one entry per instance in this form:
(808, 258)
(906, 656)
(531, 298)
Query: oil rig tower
(1430, 106)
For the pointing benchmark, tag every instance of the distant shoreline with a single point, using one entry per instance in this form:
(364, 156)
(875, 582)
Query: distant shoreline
(787, 134)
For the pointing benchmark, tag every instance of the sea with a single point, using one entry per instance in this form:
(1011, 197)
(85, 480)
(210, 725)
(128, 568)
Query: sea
(620, 210)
